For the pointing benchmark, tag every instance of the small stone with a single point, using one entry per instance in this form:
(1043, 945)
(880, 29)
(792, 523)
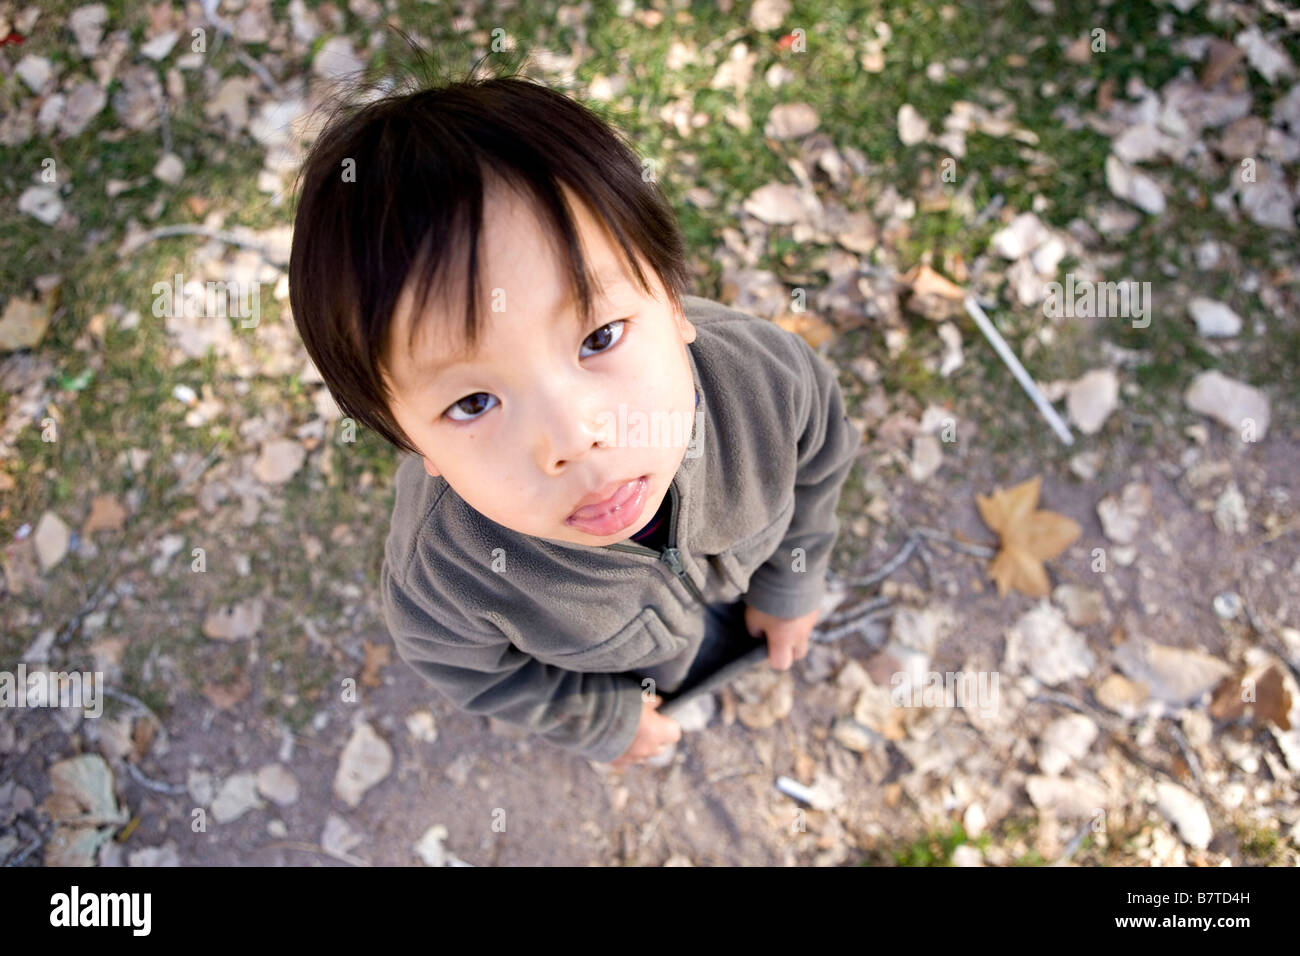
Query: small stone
(1042, 641)
(279, 461)
(790, 121)
(927, 456)
(1186, 812)
(51, 540)
(1020, 237)
(42, 203)
(912, 127)
(1067, 798)
(169, 169)
(1122, 696)
(1121, 517)
(237, 796)
(1233, 404)
(1213, 318)
(1134, 186)
(1177, 676)
(1064, 741)
(1083, 606)
(338, 837)
(1227, 605)
(366, 760)
(1092, 398)
(278, 784)
(35, 71)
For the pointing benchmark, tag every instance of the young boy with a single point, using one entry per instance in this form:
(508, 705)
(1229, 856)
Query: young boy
(609, 477)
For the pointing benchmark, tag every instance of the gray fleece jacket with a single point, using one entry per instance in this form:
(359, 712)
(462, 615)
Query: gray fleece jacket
(556, 637)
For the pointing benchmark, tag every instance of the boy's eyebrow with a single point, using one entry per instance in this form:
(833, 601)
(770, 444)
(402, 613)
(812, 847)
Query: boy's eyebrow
(609, 278)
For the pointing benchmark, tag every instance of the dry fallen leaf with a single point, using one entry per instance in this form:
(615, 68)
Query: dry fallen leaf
(1029, 537)
(1270, 702)
(377, 656)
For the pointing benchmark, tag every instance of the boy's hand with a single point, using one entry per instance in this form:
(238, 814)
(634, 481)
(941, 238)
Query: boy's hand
(787, 637)
(653, 734)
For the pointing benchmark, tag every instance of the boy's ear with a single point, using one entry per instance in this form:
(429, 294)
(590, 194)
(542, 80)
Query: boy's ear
(685, 327)
(428, 467)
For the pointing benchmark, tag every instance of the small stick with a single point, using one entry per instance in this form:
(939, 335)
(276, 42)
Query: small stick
(1004, 352)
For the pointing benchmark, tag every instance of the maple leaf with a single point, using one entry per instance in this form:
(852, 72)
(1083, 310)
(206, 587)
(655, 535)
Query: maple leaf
(1029, 537)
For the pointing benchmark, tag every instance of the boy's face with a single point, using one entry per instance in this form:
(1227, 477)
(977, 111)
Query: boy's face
(527, 428)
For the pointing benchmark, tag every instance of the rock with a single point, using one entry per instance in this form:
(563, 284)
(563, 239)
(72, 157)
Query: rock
(851, 735)
(1064, 741)
(1052, 651)
(1213, 318)
(1083, 606)
(965, 854)
(431, 850)
(336, 60)
(86, 101)
(1020, 237)
(777, 204)
(1186, 812)
(1067, 798)
(1229, 402)
(1134, 186)
(766, 696)
(236, 622)
(1091, 399)
(24, 324)
(696, 713)
(35, 71)
(278, 784)
(238, 795)
(169, 169)
(41, 203)
(1269, 59)
(51, 540)
(158, 47)
(421, 726)
(87, 26)
(1173, 675)
(974, 821)
(922, 629)
(912, 127)
(366, 760)
(279, 461)
(1230, 513)
(1121, 517)
(790, 121)
(338, 837)
(165, 855)
(1267, 201)
(927, 456)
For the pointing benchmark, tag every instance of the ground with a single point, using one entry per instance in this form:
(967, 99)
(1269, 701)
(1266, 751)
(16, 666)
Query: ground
(158, 473)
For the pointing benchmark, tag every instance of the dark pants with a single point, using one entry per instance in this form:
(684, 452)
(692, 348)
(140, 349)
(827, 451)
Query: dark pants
(725, 639)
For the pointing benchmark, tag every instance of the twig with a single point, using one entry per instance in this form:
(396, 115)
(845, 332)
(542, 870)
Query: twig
(295, 845)
(1031, 389)
(1073, 846)
(1189, 758)
(978, 550)
(155, 785)
(189, 229)
(888, 568)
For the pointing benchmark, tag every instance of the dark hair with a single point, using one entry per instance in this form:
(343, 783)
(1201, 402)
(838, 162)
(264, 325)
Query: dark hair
(420, 162)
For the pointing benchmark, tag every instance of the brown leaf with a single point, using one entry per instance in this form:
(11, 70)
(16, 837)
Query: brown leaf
(106, 514)
(376, 660)
(226, 696)
(1029, 537)
(812, 329)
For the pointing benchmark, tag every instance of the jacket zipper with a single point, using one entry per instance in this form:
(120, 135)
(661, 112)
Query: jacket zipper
(670, 555)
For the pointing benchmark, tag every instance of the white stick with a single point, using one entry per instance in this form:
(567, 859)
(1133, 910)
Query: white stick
(1035, 393)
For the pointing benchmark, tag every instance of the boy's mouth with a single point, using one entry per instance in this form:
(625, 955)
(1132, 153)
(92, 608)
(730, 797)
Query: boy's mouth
(613, 513)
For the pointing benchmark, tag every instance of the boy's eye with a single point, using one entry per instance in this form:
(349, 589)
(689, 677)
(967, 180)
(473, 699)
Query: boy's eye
(468, 400)
(602, 334)
(604, 339)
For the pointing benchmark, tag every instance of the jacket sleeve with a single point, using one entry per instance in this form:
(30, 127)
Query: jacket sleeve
(827, 447)
(481, 672)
